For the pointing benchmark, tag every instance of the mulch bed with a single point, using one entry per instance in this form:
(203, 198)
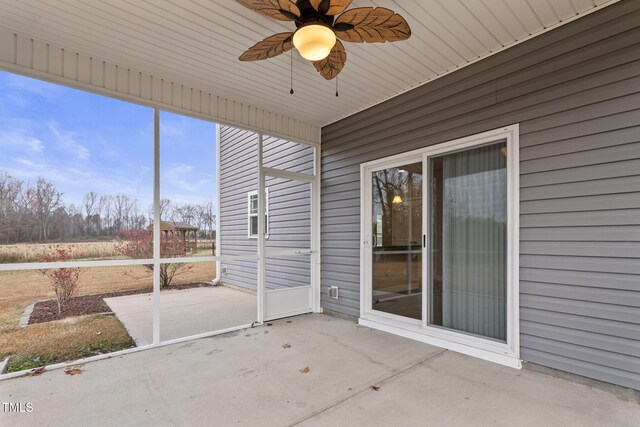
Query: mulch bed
(46, 311)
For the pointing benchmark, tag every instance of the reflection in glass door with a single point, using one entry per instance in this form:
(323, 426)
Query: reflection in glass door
(397, 240)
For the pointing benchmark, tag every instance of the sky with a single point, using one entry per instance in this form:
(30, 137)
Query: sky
(85, 142)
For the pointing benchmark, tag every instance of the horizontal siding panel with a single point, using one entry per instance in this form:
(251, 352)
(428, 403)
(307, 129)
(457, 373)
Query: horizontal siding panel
(584, 173)
(543, 109)
(581, 278)
(586, 354)
(569, 364)
(603, 124)
(629, 184)
(629, 298)
(582, 249)
(612, 66)
(585, 234)
(583, 338)
(582, 308)
(586, 203)
(617, 153)
(590, 218)
(591, 264)
(602, 104)
(582, 143)
(611, 328)
(350, 307)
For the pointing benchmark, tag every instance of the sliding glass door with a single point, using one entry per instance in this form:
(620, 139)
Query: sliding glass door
(467, 224)
(396, 230)
(439, 255)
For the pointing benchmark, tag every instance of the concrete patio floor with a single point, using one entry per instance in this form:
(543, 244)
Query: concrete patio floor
(184, 312)
(251, 377)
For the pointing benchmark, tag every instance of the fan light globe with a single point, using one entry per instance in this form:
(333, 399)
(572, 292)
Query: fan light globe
(314, 42)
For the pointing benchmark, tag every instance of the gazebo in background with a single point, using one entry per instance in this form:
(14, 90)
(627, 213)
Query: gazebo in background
(183, 229)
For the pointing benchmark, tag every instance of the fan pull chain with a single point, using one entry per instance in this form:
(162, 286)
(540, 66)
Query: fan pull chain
(336, 85)
(291, 91)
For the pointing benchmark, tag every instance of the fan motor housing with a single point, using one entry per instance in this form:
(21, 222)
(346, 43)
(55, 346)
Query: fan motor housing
(309, 15)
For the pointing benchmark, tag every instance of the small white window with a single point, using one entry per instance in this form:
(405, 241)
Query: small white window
(252, 213)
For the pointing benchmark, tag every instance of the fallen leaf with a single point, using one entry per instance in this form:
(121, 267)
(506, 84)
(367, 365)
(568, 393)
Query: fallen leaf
(35, 372)
(269, 324)
(266, 332)
(288, 321)
(253, 325)
(73, 371)
(305, 370)
(286, 346)
(375, 387)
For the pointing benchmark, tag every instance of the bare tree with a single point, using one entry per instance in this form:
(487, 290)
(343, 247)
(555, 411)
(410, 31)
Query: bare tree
(166, 209)
(10, 197)
(89, 202)
(207, 215)
(44, 200)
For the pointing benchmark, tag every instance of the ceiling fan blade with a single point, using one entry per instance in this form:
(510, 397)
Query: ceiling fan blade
(268, 48)
(282, 10)
(331, 66)
(330, 7)
(371, 25)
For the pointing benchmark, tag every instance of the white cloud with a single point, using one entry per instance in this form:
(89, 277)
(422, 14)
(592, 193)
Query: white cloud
(169, 127)
(179, 175)
(74, 182)
(68, 141)
(38, 87)
(17, 139)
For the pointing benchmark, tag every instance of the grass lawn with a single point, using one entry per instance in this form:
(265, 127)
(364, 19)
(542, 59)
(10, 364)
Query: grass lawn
(71, 338)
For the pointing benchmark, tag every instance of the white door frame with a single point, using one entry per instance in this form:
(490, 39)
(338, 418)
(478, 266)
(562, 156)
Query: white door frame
(504, 353)
(278, 303)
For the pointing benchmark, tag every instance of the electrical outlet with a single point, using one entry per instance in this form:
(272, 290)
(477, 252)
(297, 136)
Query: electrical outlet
(333, 292)
(223, 269)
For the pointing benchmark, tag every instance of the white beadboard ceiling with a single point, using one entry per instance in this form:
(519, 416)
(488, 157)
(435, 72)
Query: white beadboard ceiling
(198, 42)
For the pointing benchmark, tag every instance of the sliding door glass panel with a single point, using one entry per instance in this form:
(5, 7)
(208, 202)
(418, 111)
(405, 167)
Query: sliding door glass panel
(468, 241)
(396, 240)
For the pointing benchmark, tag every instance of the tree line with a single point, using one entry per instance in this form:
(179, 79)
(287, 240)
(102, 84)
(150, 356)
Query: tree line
(37, 212)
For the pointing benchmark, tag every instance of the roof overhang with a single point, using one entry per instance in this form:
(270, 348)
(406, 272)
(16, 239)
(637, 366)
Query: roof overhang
(183, 57)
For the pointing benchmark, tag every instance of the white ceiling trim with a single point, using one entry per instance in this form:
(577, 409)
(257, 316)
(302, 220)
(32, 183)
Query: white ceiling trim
(33, 57)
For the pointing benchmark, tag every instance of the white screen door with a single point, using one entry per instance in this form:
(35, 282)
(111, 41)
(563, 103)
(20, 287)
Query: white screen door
(288, 270)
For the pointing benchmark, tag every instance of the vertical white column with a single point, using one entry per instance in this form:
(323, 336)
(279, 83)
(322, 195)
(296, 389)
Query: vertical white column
(156, 226)
(315, 231)
(218, 198)
(261, 230)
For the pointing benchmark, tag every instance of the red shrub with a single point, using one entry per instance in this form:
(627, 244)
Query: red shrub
(63, 280)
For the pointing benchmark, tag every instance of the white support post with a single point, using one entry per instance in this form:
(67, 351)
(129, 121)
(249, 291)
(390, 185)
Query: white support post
(315, 232)
(156, 227)
(217, 209)
(261, 237)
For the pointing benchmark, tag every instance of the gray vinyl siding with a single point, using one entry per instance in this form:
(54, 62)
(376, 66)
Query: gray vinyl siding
(576, 93)
(289, 208)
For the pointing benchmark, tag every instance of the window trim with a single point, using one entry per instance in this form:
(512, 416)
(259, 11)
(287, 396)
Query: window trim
(250, 215)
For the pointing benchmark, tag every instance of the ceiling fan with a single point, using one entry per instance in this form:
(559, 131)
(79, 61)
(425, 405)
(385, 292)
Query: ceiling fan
(319, 25)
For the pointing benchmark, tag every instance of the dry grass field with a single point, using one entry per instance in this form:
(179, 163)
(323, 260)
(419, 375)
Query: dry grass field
(31, 252)
(102, 250)
(77, 337)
